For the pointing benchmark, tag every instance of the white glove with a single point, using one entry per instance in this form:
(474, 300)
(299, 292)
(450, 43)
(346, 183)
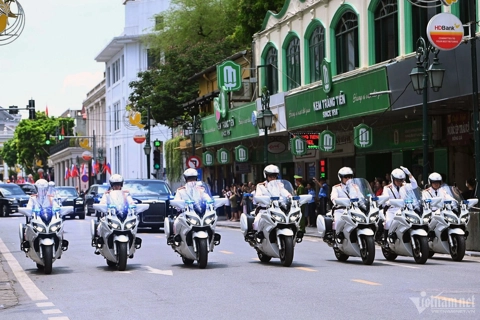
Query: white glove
(407, 172)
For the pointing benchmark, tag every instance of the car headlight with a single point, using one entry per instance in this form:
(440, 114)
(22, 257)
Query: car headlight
(413, 218)
(55, 227)
(294, 217)
(210, 219)
(358, 217)
(131, 224)
(450, 218)
(277, 217)
(38, 227)
(113, 224)
(193, 220)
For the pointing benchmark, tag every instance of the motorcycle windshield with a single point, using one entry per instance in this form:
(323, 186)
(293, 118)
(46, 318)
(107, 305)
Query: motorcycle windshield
(118, 200)
(413, 195)
(46, 215)
(454, 192)
(275, 188)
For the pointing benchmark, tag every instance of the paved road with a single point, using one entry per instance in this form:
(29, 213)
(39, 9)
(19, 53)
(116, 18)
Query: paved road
(235, 284)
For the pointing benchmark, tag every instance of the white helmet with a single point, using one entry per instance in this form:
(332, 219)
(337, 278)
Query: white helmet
(343, 172)
(397, 174)
(116, 179)
(190, 172)
(434, 177)
(271, 169)
(42, 187)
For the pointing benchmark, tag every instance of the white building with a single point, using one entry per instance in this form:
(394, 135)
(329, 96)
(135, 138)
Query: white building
(8, 124)
(124, 57)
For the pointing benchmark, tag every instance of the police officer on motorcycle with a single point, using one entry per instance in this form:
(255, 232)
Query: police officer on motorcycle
(116, 183)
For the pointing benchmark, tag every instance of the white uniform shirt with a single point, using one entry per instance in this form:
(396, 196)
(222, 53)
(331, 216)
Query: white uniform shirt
(187, 193)
(440, 192)
(126, 195)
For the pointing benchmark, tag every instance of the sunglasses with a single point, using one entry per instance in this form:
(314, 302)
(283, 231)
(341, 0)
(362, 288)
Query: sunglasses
(272, 175)
(348, 176)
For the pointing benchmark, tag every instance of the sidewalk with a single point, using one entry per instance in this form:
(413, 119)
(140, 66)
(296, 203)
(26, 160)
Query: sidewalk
(310, 232)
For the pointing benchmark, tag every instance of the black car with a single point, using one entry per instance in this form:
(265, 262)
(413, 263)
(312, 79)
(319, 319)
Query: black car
(11, 198)
(28, 188)
(93, 195)
(70, 197)
(157, 193)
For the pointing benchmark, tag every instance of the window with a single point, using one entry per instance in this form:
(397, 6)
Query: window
(386, 30)
(116, 72)
(271, 80)
(159, 21)
(293, 64)
(108, 77)
(122, 66)
(152, 59)
(420, 18)
(116, 116)
(109, 114)
(117, 159)
(317, 52)
(346, 36)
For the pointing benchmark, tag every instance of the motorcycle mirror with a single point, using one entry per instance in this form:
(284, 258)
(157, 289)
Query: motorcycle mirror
(472, 202)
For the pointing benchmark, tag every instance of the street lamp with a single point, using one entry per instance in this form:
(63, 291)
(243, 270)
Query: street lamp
(420, 75)
(196, 132)
(264, 120)
(148, 149)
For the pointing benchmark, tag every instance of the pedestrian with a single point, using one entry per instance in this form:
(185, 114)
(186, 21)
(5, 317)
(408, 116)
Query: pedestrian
(300, 189)
(378, 188)
(310, 210)
(228, 210)
(233, 203)
(323, 194)
(470, 192)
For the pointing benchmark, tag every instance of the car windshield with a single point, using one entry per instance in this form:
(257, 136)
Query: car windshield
(11, 190)
(67, 192)
(102, 189)
(146, 188)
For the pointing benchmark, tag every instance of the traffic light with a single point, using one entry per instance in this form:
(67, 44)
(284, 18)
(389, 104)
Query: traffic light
(31, 109)
(156, 160)
(157, 144)
(323, 168)
(47, 140)
(13, 110)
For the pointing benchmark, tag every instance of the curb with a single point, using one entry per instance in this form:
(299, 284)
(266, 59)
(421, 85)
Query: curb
(8, 298)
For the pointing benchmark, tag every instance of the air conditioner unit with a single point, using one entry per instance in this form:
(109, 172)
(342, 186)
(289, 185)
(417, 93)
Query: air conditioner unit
(244, 93)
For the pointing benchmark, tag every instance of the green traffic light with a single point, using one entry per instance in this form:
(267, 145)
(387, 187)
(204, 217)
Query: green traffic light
(157, 143)
(47, 142)
(156, 166)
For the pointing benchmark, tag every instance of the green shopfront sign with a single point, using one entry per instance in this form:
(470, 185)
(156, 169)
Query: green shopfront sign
(298, 146)
(362, 136)
(208, 158)
(237, 126)
(348, 98)
(241, 153)
(223, 156)
(327, 141)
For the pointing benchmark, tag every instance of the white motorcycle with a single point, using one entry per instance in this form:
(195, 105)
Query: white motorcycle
(408, 231)
(114, 234)
(195, 234)
(279, 224)
(448, 226)
(357, 226)
(41, 238)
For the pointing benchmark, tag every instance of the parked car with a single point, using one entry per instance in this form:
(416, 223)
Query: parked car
(28, 188)
(70, 197)
(93, 195)
(11, 198)
(157, 193)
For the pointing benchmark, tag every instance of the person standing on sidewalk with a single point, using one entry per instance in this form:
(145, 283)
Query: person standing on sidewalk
(310, 210)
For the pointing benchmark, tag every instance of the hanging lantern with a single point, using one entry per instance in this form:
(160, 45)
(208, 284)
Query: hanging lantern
(139, 137)
(87, 155)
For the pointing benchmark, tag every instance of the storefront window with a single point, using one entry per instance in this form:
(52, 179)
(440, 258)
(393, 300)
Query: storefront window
(346, 34)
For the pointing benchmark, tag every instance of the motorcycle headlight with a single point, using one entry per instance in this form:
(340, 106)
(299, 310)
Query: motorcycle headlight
(113, 224)
(450, 218)
(426, 218)
(464, 219)
(294, 217)
(413, 218)
(373, 217)
(55, 227)
(38, 227)
(193, 220)
(131, 224)
(358, 217)
(278, 217)
(210, 219)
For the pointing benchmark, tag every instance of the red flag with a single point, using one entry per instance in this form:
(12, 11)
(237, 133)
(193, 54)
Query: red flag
(74, 172)
(67, 173)
(107, 168)
(46, 111)
(63, 131)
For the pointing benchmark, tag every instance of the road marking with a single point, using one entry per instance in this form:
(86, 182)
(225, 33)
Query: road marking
(51, 311)
(158, 271)
(367, 282)
(30, 288)
(306, 269)
(226, 252)
(457, 301)
(397, 265)
(45, 304)
(58, 318)
(160, 237)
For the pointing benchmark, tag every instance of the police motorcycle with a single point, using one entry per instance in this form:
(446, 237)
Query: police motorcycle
(114, 234)
(448, 226)
(41, 237)
(408, 231)
(356, 229)
(279, 223)
(194, 235)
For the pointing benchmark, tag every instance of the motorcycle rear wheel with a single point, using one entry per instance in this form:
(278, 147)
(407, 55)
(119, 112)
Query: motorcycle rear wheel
(389, 255)
(202, 253)
(340, 255)
(122, 255)
(263, 257)
(47, 253)
(420, 254)
(457, 251)
(368, 251)
(286, 254)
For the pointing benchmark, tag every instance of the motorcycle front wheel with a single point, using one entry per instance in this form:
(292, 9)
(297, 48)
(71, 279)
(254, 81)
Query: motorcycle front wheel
(420, 254)
(187, 261)
(122, 255)
(263, 257)
(286, 254)
(389, 255)
(368, 251)
(47, 253)
(202, 253)
(340, 255)
(457, 251)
